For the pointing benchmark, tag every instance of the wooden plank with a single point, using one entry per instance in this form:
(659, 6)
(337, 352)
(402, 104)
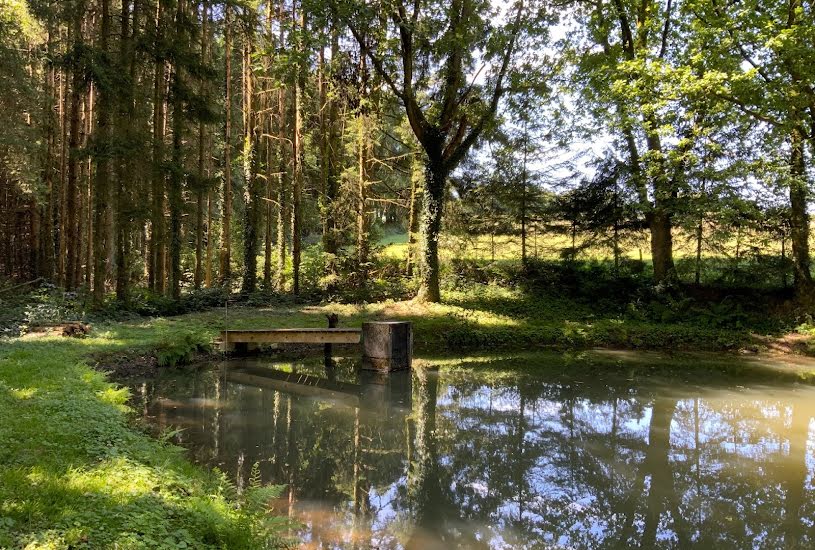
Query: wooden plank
(293, 336)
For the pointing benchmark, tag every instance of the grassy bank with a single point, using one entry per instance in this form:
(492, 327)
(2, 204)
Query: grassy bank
(468, 321)
(75, 474)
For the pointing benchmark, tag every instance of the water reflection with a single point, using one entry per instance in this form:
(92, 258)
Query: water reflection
(500, 460)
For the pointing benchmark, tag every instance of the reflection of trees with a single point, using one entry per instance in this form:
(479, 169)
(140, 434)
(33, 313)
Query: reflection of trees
(519, 459)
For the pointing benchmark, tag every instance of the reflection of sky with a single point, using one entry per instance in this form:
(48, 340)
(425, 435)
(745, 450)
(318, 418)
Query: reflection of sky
(580, 466)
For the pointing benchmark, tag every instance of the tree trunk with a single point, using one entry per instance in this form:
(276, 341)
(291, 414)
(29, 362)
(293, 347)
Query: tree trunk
(156, 245)
(362, 204)
(282, 190)
(60, 214)
(252, 195)
(699, 235)
(269, 151)
(177, 172)
(47, 254)
(331, 162)
(433, 206)
(201, 194)
(413, 219)
(226, 224)
(124, 225)
(799, 217)
(661, 244)
(85, 199)
(298, 153)
(659, 218)
(783, 259)
(72, 241)
(101, 183)
(523, 195)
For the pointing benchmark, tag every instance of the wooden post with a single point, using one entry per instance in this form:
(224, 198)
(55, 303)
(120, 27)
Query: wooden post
(387, 345)
(333, 319)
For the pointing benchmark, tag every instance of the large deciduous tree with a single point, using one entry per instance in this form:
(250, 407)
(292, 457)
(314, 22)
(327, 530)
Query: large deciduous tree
(448, 63)
(760, 59)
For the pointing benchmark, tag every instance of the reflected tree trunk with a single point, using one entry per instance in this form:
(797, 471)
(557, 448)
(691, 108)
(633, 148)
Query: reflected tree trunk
(424, 484)
(657, 465)
(795, 479)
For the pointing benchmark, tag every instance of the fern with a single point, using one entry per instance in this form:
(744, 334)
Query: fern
(254, 476)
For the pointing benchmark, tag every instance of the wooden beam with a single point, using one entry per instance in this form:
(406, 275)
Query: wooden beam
(291, 336)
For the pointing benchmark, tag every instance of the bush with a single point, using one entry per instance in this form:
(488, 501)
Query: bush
(179, 349)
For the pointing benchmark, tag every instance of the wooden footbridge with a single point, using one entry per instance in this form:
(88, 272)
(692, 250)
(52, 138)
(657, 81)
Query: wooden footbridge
(387, 345)
(245, 340)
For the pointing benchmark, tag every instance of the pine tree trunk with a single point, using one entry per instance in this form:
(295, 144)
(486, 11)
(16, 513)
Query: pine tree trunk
(85, 199)
(47, 253)
(329, 154)
(362, 201)
(124, 219)
(269, 152)
(61, 210)
(282, 193)
(298, 153)
(324, 139)
(177, 172)
(523, 199)
(156, 264)
(362, 180)
(226, 223)
(101, 182)
(252, 210)
(210, 36)
(72, 241)
(200, 206)
(201, 193)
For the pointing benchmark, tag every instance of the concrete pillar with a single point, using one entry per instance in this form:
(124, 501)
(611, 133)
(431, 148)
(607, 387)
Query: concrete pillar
(387, 345)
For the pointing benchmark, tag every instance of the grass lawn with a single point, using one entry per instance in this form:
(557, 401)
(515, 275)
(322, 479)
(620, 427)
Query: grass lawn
(75, 474)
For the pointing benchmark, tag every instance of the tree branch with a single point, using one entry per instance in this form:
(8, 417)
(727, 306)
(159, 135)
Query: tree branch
(454, 156)
(665, 30)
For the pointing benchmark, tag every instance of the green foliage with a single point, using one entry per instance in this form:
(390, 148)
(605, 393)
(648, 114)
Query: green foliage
(179, 349)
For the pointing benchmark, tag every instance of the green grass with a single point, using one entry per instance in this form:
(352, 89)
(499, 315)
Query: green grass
(75, 474)
(549, 246)
(475, 318)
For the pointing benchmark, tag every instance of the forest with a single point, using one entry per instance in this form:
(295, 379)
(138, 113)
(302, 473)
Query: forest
(161, 147)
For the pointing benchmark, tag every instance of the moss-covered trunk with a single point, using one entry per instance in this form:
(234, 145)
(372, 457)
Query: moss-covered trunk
(433, 207)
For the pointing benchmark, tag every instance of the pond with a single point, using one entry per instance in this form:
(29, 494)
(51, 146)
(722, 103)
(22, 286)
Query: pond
(495, 457)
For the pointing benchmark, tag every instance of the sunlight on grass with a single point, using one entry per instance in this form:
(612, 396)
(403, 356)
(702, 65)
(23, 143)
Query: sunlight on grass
(23, 393)
(549, 246)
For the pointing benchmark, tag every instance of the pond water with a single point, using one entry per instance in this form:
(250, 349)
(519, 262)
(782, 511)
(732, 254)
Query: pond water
(503, 458)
